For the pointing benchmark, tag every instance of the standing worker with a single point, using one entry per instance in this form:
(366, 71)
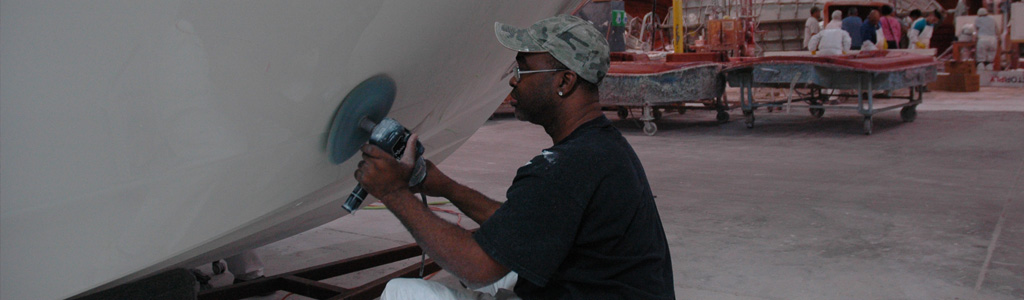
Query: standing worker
(891, 28)
(907, 22)
(580, 221)
(921, 32)
(833, 40)
(812, 26)
(869, 30)
(987, 39)
(852, 24)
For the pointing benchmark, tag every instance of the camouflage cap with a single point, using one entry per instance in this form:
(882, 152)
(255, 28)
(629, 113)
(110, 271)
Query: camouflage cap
(571, 40)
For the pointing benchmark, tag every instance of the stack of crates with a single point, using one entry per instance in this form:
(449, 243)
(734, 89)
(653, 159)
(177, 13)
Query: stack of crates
(960, 76)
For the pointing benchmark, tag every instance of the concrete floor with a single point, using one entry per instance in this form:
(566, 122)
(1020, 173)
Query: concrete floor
(796, 208)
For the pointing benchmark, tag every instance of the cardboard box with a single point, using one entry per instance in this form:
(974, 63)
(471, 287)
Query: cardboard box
(961, 67)
(956, 83)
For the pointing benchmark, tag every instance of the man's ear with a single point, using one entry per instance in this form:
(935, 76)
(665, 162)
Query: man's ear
(567, 83)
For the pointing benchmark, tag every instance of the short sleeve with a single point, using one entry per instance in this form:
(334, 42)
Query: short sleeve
(533, 232)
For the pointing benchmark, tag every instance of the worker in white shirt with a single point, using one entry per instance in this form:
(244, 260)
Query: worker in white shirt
(833, 40)
(811, 27)
(921, 32)
(987, 39)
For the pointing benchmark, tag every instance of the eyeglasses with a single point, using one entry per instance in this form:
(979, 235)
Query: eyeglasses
(519, 74)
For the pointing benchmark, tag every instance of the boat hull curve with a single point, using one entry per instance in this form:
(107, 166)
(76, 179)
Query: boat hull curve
(140, 136)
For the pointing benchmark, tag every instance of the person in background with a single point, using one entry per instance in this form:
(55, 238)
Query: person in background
(852, 24)
(812, 26)
(920, 34)
(833, 40)
(890, 28)
(914, 16)
(987, 39)
(869, 28)
(907, 22)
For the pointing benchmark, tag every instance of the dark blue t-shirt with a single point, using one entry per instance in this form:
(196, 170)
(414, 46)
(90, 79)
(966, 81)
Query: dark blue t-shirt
(581, 223)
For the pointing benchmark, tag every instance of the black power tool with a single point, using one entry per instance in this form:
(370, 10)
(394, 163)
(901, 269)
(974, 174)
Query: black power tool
(392, 137)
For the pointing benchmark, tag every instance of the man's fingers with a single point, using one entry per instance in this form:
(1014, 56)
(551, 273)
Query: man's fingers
(409, 157)
(374, 151)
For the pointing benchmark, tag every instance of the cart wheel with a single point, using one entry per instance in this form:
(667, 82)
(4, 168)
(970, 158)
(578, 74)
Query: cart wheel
(749, 119)
(656, 113)
(867, 125)
(817, 112)
(908, 113)
(650, 128)
(722, 117)
(623, 112)
(770, 109)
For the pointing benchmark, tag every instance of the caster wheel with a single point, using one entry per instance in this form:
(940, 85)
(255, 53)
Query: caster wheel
(656, 113)
(219, 267)
(722, 116)
(817, 112)
(867, 125)
(623, 112)
(749, 119)
(770, 109)
(650, 128)
(908, 114)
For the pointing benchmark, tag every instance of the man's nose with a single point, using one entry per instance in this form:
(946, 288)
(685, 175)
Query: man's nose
(512, 81)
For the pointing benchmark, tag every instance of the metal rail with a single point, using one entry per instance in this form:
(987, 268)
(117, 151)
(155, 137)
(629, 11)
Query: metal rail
(863, 83)
(306, 282)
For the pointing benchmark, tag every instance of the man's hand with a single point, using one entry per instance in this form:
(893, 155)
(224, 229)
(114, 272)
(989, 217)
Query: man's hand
(381, 174)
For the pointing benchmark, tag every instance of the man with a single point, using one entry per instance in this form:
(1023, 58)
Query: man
(985, 27)
(852, 25)
(833, 40)
(812, 26)
(906, 23)
(580, 221)
(869, 29)
(921, 32)
(891, 28)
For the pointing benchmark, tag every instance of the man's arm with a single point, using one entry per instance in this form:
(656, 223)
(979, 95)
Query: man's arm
(451, 246)
(813, 43)
(474, 204)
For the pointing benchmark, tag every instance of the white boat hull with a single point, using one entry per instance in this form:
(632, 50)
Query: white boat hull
(138, 136)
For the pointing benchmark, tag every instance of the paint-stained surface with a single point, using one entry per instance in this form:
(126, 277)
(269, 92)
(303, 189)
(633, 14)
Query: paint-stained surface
(632, 84)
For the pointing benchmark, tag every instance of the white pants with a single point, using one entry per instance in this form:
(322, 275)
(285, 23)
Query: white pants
(419, 289)
(986, 51)
(245, 266)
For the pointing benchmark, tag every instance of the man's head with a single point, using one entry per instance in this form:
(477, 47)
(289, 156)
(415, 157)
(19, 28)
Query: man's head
(886, 10)
(816, 12)
(914, 14)
(852, 12)
(874, 16)
(982, 12)
(934, 17)
(570, 57)
(837, 15)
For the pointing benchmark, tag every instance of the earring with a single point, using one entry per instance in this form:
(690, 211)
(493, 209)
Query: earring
(560, 93)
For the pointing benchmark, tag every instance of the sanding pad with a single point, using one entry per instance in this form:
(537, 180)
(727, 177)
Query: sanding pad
(371, 99)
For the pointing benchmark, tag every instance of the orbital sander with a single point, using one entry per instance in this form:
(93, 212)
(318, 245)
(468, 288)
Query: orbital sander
(360, 119)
